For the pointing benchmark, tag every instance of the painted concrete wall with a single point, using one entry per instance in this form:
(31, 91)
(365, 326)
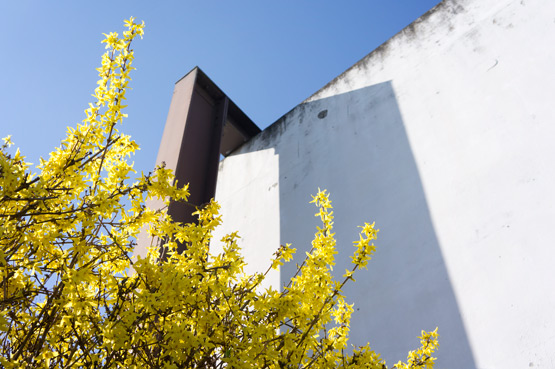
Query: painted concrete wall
(445, 137)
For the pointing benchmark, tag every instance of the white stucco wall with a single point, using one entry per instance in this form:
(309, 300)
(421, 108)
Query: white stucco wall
(251, 188)
(445, 137)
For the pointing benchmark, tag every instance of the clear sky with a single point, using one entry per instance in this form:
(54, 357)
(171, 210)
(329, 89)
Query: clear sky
(266, 56)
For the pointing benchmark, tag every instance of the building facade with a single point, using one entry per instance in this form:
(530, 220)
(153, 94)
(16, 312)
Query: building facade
(444, 136)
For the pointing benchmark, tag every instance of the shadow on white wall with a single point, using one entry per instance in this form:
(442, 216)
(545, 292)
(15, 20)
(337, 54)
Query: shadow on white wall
(355, 145)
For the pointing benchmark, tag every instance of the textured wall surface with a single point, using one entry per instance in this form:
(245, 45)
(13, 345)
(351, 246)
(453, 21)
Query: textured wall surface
(444, 136)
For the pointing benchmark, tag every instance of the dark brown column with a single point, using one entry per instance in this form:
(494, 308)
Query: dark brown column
(199, 153)
(202, 124)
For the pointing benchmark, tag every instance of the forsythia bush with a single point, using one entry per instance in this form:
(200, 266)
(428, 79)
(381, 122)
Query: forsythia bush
(72, 295)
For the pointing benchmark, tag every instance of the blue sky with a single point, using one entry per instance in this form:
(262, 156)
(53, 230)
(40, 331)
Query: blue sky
(266, 56)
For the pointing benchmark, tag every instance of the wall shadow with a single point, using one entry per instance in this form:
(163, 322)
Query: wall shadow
(355, 145)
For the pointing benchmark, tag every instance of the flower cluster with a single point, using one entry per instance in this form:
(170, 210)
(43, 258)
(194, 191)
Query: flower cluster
(72, 296)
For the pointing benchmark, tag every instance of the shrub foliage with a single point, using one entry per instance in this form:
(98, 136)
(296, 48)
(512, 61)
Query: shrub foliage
(72, 295)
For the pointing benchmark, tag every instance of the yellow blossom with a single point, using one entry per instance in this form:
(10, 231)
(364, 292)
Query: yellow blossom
(72, 296)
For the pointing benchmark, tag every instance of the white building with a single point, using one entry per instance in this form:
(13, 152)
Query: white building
(445, 136)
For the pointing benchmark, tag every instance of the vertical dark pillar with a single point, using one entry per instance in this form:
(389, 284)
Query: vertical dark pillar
(214, 160)
(202, 124)
(199, 153)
